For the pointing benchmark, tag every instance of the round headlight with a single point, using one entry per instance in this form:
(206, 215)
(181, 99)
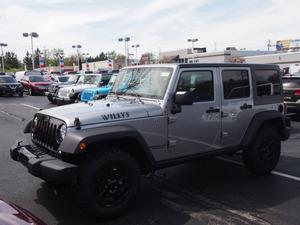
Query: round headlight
(61, 133)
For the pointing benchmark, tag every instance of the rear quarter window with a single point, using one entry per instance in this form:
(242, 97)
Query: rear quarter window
(267, 82)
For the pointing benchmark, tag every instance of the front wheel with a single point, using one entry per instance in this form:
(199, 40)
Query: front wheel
(108, 183)
(262, 157)
(30, 92)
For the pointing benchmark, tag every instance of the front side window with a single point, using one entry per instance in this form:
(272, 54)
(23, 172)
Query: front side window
(235, 84)
(145, 82)
(200, 83)
(267, 82)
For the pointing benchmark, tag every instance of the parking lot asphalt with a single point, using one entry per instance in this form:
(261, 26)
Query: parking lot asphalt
(213, 191)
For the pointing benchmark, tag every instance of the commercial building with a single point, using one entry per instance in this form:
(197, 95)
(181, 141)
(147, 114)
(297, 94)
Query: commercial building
(231, 55)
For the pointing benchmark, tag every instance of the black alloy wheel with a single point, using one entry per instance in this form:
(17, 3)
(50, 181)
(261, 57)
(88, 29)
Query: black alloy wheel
(262, 157)
(107, 183)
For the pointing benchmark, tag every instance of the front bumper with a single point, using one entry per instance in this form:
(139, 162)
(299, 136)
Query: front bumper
(63, 101)
(41, 165)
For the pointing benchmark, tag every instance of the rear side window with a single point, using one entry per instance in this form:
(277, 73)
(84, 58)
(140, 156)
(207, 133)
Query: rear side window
(267, 82)
(235, 84)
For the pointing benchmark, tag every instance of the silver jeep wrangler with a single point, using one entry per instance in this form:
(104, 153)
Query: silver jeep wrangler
(157, 116)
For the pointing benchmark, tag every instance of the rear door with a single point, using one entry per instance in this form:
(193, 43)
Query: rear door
(237, 104)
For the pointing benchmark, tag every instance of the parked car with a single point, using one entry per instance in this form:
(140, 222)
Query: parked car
(12, 214)
(157, 116)
(35, 84)
(71, 94)
(20, 74)
(53, 89)
(98, 92)
(9, 86)
(60, 79)
(291, 92)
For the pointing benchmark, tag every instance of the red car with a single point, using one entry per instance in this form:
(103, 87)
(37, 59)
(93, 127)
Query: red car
(11, 214)
(35, 84)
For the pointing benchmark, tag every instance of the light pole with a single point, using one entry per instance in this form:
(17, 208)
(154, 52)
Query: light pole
(126, 40)
(32, 35)
(77, 50)
(193, 41)
(2, 55)
(136, 55)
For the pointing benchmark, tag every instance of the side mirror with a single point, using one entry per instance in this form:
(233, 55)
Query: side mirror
(184, 98)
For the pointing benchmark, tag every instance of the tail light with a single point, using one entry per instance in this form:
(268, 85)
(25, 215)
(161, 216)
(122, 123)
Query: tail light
(297, 93)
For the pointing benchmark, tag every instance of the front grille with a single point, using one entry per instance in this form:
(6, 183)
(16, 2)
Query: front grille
(45, 132)
(63, 93)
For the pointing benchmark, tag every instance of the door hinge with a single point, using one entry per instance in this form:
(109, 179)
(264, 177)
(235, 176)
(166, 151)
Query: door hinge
(172, 143)
(172, 119)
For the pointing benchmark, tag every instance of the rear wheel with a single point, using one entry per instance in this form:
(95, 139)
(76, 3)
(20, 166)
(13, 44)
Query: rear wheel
(108, 183)
(262, 157)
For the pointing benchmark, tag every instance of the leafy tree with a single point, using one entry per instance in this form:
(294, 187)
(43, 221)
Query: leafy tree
(11, 61)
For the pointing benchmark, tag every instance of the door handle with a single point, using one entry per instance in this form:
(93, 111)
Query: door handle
(245, 106)
(212, 110)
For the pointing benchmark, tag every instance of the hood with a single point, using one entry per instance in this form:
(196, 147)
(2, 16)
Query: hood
(80, 87)
(11, 84)
(103, 111)
(41, 83)
(99, 90)
(11, 214)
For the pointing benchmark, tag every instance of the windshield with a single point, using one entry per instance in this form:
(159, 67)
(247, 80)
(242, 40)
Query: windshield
(112, 80)
(36, 79)
(89, 79)
(33, 73)
(73, 79)
(4, 80)
(63, 79)
(143, 82)
(291, 82)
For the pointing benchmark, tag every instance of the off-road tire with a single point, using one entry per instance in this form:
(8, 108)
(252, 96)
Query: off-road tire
(50, 98)
(262, 157)
(100, 175)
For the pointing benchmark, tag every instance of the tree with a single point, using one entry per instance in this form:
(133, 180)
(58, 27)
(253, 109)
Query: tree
(111, 55)
(11, 61)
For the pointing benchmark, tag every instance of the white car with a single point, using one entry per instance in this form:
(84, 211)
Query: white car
(70, 94)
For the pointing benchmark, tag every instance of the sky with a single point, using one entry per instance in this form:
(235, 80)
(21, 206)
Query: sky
(157, 26)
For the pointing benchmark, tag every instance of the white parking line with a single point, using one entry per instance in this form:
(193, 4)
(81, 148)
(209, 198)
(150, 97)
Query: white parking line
(273, 172)
(12, 116)
(30, 106)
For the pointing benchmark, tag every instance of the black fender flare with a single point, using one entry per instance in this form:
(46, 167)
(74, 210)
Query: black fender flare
(264, 117)
(90, 136)
(28, 127)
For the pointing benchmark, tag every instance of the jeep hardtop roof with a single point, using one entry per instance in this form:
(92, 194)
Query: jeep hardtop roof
(197, 65)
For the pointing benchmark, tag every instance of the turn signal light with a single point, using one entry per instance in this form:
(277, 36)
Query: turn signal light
(82, 146)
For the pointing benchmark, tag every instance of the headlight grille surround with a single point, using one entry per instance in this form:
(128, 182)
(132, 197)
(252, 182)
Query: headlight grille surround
(46, 131)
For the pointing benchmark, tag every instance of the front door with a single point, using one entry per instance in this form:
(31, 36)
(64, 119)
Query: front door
(196, 129)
